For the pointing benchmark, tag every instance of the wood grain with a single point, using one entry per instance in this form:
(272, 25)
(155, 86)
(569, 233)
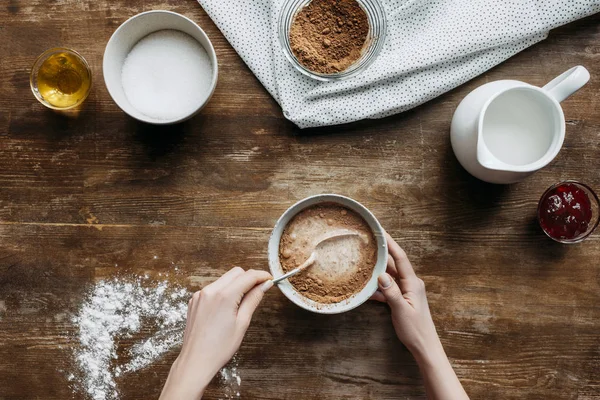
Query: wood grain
(93, 195)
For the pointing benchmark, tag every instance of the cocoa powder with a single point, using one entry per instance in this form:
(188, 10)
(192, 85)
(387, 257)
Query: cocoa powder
(328, 36)
(327, 281)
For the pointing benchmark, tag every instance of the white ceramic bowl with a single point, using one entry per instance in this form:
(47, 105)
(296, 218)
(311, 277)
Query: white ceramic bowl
(128, 34)
(358, 298)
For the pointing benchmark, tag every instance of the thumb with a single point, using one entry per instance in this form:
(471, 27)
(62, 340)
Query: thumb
(251, 301)
(391, 291)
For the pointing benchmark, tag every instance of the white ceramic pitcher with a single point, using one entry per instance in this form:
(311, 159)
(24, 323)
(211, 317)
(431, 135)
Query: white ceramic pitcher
(506, 130)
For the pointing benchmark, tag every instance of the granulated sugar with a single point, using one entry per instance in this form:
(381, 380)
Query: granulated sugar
(116, 309)
(167, 75)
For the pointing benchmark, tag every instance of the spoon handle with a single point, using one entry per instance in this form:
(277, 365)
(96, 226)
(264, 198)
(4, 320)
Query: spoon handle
(293, 272)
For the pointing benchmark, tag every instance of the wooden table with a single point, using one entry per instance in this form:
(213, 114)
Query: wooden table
(88, 197)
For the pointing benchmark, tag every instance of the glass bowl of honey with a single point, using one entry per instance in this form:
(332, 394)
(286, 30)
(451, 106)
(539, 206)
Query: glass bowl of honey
(60, 78)
(569, 211)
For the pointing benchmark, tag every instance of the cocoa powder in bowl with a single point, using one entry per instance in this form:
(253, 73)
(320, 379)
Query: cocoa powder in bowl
(328, 36)
(343, 267)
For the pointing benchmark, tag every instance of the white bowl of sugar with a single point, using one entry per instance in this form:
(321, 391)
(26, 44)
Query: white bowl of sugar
(160, 67)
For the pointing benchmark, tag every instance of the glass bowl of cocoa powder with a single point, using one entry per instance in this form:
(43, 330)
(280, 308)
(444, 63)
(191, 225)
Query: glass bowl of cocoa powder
(331, 40)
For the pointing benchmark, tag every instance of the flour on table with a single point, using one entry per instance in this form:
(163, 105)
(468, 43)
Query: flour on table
(115, 310)
(119, 309)
(231, 379)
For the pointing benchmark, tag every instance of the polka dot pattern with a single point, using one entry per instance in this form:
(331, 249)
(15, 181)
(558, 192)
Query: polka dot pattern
(431, 47)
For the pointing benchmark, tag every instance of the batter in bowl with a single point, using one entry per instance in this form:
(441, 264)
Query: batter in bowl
(343, 266)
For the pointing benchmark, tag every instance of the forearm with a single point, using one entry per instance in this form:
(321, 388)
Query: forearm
(182, 385)
(441, 382)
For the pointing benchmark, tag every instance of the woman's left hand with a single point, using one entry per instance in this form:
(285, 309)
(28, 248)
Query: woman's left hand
(217, 320)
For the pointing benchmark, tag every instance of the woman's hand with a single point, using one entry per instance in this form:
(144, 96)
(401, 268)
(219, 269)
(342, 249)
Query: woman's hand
(405, 293)
(217, 320)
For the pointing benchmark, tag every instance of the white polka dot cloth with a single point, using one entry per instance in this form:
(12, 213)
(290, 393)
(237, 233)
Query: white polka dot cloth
(431, 47)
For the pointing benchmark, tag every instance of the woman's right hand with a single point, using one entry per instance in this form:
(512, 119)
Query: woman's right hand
(217, 319)
(405, 293)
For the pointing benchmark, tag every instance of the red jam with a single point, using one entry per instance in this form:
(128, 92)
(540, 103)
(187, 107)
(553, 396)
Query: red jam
(565, 212)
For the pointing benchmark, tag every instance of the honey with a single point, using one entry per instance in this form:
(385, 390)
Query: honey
(62, 79)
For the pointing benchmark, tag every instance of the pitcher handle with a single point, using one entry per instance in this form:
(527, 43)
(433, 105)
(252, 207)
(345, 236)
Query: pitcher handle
(567, 83)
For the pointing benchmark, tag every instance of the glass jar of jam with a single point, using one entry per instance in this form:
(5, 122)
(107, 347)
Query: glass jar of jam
(568, 211)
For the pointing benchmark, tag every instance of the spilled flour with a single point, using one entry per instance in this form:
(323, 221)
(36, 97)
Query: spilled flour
(231, 379)
(116, 310)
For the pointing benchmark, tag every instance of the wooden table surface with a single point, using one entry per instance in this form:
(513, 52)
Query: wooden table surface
(87, 197)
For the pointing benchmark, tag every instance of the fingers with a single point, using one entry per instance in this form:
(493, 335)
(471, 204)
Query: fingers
(244, 283)
(227, 278)
(249, 304)
(390, 290)
(378, 296)
(252, 286)
(403, 265)
(391, 267)
(266, 285)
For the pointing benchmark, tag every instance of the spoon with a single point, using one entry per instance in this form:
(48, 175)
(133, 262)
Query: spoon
(336, 234)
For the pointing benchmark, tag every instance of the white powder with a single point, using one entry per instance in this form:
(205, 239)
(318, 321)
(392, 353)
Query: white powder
(167, 75)
(231, 379)
(118, 309)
